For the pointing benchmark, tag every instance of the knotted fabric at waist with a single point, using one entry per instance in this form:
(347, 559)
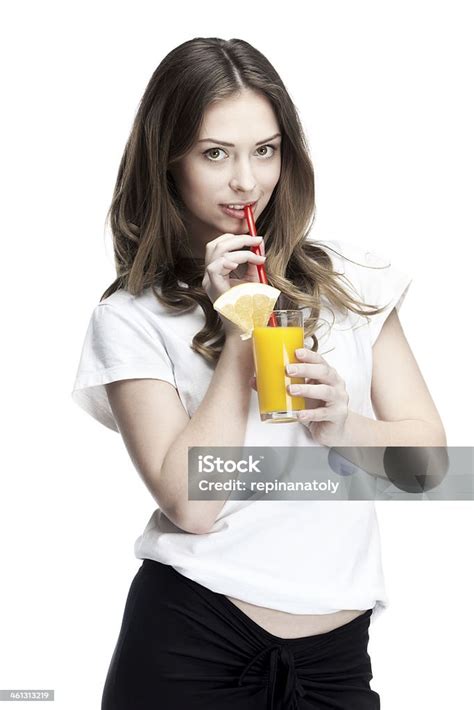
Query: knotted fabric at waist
(279, 656)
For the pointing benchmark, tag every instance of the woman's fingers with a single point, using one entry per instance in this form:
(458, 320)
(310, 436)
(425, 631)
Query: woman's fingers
(240, 257)
(321, 372)
(216, 276)
(312, 366)
(229, 261)
(220, 261)
(226, 242)
(311, 391)
(324, 393)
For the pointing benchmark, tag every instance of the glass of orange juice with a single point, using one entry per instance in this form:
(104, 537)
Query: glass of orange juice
(273, 349)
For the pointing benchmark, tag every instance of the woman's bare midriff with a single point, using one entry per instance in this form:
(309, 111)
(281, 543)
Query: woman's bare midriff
(288, 626)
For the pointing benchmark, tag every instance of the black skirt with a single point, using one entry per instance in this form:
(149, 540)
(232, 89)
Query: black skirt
(184, 647)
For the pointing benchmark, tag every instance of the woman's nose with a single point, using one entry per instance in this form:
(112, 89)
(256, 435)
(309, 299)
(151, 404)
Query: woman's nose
(244, 181)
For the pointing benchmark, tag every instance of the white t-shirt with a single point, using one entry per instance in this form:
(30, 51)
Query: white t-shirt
(301, 557)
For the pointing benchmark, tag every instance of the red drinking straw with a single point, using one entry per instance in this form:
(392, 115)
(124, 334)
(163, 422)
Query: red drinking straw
(256, 250)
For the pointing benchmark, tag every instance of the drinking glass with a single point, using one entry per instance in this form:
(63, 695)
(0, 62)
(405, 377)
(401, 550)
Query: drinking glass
(273, 349)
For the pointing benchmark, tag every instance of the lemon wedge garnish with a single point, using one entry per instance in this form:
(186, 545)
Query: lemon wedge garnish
(248, 305)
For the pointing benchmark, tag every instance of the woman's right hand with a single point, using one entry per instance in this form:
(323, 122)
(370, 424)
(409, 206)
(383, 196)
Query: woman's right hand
(221, 260)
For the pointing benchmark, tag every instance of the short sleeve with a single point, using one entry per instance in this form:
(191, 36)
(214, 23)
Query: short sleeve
(378, 281)
(118, 345)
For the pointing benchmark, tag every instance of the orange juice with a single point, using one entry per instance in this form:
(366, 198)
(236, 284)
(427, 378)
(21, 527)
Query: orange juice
(273, 349)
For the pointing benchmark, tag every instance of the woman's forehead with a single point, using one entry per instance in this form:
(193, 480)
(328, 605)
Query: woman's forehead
(250, 116)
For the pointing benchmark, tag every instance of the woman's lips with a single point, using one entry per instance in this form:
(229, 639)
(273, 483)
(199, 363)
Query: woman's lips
(236, 214)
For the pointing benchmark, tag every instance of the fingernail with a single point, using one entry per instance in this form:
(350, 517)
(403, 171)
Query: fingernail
(299, 352)
(291, 369)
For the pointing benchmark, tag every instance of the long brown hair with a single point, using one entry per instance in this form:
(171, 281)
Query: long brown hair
(151, 246)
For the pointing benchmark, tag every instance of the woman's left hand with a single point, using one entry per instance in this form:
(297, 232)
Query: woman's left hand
(326, 399)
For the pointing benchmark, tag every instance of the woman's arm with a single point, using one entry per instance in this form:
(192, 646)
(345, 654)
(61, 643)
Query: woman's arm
(220, 420)
(406, 413)
(157, 430)
(158, 438)
(407, 416)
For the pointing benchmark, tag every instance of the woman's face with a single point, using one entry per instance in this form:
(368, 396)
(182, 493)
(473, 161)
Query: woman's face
(214, 174)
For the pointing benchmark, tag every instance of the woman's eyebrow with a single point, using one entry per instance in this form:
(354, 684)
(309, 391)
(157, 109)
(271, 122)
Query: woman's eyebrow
(231, 145)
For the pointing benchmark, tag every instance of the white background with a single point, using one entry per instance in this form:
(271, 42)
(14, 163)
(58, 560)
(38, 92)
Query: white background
(384, 91)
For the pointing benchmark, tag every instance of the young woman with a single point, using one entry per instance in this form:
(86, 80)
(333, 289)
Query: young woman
(239, 604)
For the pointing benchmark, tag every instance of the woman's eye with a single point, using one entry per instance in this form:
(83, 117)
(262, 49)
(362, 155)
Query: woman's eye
(266, 147)
(212, 152)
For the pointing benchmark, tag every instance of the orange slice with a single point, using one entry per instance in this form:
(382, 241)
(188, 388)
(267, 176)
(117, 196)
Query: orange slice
(248, 305)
